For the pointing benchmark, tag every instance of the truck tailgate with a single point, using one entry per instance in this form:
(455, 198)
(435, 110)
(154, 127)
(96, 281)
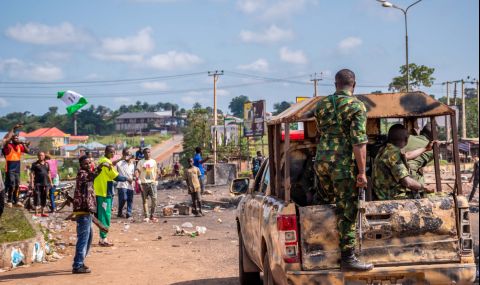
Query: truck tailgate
(394, 232)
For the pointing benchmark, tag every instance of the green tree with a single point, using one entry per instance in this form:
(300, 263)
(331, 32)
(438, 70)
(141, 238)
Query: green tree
(420, 75)
(280, 107)
(197, 132)
(236, 105)
(46, 145)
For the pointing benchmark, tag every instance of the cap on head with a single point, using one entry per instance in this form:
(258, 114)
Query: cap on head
(198, 149)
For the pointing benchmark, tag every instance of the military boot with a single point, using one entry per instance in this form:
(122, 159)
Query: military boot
(351, 263)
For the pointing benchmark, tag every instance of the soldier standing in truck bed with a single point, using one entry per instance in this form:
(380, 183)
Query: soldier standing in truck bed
(341, 121)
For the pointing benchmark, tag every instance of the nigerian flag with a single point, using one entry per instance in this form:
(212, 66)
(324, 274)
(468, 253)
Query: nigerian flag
(74, 100)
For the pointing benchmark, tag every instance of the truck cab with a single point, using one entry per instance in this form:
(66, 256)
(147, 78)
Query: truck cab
(293, 240)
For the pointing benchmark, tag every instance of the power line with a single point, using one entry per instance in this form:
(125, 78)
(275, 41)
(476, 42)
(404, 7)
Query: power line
(54, 83)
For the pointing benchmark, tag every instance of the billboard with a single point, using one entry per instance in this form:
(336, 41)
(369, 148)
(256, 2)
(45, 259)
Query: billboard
(254, 119)
(300, 99)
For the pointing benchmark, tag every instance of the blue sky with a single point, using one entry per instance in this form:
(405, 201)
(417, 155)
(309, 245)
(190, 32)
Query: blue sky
(47, 44)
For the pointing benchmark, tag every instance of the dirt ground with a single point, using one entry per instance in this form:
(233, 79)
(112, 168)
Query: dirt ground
(140, 257)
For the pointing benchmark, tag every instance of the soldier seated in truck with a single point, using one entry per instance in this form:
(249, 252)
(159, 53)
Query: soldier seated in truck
(417, 164)
(391, 176)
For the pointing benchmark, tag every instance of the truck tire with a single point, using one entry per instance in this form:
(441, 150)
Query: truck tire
(246, 278)
(267, 272)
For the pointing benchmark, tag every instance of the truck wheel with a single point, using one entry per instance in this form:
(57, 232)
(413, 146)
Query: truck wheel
(267, 272)
(246, 278)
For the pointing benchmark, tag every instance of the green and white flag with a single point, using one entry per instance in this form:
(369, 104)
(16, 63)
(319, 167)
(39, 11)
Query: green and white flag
(74, 100)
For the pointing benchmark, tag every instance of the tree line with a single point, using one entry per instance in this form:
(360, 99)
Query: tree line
(92, 120)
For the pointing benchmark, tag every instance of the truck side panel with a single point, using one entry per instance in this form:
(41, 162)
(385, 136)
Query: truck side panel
(394, 232)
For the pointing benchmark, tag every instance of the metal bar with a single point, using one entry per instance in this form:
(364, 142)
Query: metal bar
(271, 152)
(286, 155)
(456, 156)
(436, 156)
(278, 165)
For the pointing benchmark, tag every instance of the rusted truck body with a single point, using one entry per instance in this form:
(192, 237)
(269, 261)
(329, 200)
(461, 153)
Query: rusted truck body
(412, 241)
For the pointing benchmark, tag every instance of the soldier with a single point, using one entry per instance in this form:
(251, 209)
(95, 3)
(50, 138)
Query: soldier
(341, 121)
(391, 176)
(417, 164)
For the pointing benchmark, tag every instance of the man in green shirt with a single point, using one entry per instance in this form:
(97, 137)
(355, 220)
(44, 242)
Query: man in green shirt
(391, 176)
(341, 160)
(417, 164)
(103, 185)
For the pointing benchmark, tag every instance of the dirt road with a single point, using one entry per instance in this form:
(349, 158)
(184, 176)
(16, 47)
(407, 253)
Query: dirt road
(163, 152)
(140, 257)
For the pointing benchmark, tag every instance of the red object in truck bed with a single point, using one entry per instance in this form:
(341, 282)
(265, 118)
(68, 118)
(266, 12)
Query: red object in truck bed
(295, 135)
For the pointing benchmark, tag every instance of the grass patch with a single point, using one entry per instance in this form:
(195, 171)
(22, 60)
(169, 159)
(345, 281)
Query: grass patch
(131, 141)
(14, 226)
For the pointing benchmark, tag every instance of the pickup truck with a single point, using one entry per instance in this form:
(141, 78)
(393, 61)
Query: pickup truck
(292, 240)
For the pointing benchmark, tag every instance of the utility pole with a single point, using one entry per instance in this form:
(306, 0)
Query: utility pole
(464, 117)
(447, 124)
(75, 124)
(215, 74)
(315, 79)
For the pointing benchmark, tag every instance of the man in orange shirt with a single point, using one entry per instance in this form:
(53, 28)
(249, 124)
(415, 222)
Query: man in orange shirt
(13, 152)
(5, 140)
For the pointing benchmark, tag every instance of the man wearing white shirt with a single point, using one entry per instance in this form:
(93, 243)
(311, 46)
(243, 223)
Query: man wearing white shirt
(148, 172)
(126, 168)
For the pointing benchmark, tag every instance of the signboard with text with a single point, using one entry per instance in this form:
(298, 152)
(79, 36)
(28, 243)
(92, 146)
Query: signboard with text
(254, 118)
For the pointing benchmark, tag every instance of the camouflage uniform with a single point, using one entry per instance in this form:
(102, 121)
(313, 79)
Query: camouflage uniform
(341, 121)
(415, 165)
(388, 169)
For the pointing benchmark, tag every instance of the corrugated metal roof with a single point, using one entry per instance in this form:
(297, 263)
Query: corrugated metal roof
(145, 115)
(386, 105)
(46, 132)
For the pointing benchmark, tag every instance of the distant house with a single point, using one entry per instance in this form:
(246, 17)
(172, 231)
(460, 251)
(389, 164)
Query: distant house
(78, 139)
(134, 123)
(58, 137)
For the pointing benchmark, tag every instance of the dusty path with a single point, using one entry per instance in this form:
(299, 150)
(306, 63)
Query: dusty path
(139, 257)
(163, 152)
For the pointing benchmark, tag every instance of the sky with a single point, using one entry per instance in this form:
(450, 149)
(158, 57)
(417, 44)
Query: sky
(117, 52)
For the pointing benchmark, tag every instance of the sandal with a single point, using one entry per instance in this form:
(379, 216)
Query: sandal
(105, 244)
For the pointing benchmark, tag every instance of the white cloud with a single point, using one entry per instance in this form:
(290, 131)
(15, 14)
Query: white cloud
(41, 34)
(155, 85)
(273, 9)
(19, 70)
(260, 65)
(293, 56)
(122, 100)
(271, 35)
(3, 103)
(347, 45)
(223, 92)
(55, 56)
(194, 97)
(141, 43)
(132, 58)
(250, 6)
(283, 8)
(173, 60)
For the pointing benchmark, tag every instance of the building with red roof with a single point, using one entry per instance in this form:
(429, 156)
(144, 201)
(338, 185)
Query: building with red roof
(58, 137)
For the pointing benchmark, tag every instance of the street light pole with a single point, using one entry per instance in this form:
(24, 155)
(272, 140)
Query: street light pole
(387, 4)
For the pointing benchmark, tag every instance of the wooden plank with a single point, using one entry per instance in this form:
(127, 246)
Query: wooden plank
(286, 155)
(456, 157)
(436, 155)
